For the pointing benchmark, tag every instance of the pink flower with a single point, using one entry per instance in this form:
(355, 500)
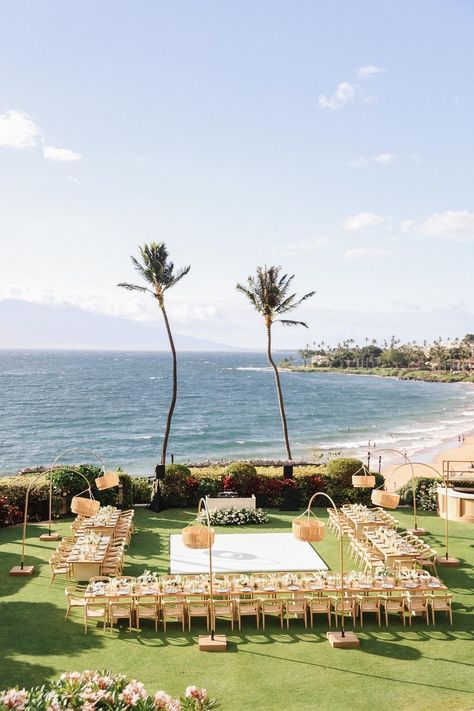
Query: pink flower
(133, 692)
(193, 692)
(161, 700)
(15, 699)
(174, 705)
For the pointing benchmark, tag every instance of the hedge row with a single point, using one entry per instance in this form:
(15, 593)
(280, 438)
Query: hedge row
(66, 484)
(181, 487)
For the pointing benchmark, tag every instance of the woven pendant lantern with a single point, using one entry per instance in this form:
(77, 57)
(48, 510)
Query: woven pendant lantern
(384, 499)
(363, 481)
(84, 507)
(307, 529)
(107, 481)
(196, 536)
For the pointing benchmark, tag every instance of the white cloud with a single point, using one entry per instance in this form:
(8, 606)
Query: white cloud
(61, 154)
(362, 220)
(379, 159)
(369, 70)
(18, 130)
(76, 181)
(453, 224)
(294, 249)
(343, 95)
(367, 253)
(407, 225)
(384, 158)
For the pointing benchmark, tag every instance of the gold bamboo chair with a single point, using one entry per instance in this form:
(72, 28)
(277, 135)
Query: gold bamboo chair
(349, 608)
(120, 609)
(393, 605)
(75, 598)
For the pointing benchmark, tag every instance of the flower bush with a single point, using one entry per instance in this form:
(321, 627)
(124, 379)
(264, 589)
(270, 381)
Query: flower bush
(9, 513)
(243, 478)
(235, 517)
(90, 690)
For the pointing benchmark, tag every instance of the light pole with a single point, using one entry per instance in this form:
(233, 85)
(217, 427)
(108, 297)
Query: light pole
(200, 536)
(307, 529)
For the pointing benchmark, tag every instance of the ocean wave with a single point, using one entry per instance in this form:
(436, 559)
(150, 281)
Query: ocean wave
(255, 368)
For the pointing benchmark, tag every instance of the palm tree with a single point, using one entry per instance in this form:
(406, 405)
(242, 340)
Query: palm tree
(268, 292)
(158, 271)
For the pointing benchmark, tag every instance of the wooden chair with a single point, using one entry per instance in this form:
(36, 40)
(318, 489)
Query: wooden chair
(173, 611)
(441, 603)
(198, 608)
(416, 605)
(272, 607)
(248, 608)
(75, 598)
(223, 609)
(296, 607)
(319, 606)
(147, 609)
(349, 608)
(121, 609)
(96, 611)
(59, 568)
(393, 605)
(368, 603)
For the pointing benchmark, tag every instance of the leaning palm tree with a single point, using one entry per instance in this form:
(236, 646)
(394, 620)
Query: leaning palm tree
(268, 292)
(155, 267)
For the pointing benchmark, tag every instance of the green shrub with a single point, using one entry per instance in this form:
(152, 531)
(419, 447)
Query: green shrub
(142, 490)
(241, 477)
(67, 482)
(209, 486)
(127, 490)
(342, 470)
(176, 486)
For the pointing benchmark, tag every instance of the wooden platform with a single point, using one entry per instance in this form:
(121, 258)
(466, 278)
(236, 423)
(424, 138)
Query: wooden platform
(349, 641)
(26, 570)
(218, 644)
(50, 537)
(448, 562)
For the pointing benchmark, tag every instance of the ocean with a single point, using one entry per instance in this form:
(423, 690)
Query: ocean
(115, 404)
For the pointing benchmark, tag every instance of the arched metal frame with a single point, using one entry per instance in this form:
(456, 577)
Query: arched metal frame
(445, 480)
(309, 513)
(406, 462)
(27, 499)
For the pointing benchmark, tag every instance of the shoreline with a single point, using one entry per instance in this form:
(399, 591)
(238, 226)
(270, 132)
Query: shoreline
(421, 376)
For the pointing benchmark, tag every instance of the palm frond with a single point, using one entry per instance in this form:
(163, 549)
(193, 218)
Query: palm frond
(287, 322)
(134, 287)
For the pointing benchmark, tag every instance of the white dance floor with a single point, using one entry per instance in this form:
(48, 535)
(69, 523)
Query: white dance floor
(245, 552)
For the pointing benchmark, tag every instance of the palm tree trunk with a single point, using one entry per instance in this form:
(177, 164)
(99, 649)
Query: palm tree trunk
(175, 386)
(278, 387)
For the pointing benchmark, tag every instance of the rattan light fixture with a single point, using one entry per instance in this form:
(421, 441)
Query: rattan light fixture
(200, 536)
(107, 481)
(307, 527)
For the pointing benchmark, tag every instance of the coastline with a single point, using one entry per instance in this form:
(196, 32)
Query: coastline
(423, 376)
(458, 451)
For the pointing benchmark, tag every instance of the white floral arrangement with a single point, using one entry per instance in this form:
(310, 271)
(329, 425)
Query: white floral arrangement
(234, 517)
(244, 580)
(147, 577)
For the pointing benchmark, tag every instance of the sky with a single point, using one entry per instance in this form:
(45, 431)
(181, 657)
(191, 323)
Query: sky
(331, 138)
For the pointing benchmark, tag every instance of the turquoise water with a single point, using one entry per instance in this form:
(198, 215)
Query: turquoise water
(115, 404)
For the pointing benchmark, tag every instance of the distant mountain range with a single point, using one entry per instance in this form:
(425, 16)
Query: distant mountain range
(28, 325)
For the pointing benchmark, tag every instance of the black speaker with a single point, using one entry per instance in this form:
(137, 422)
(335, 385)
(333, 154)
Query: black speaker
(287, 471)
(157, 504)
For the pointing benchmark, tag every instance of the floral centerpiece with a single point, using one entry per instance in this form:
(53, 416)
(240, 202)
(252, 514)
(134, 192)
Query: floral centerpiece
(234, 517)
(101, 690)
(147, 578)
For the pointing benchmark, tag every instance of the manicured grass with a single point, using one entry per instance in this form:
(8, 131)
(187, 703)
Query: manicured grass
(396, 668)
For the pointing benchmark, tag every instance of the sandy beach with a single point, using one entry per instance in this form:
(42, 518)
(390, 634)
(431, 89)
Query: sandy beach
(397, 476)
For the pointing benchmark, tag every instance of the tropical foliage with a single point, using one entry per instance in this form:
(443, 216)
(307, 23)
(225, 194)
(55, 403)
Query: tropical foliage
(155, 267)
(235, 517)
(269, 293)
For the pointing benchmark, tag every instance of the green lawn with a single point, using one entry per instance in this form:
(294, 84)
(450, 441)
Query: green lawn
(396, 668)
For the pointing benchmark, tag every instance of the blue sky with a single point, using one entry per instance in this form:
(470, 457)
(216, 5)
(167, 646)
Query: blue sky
(333, 138)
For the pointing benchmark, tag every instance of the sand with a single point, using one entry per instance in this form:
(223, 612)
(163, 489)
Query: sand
(464, 452)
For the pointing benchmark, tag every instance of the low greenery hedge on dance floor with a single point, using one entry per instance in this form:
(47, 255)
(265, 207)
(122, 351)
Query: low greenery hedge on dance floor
(397, 667)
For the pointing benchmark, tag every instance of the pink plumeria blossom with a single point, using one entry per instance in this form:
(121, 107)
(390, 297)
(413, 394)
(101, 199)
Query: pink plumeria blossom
(15, 699)
(194, 692)
(133, 692)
